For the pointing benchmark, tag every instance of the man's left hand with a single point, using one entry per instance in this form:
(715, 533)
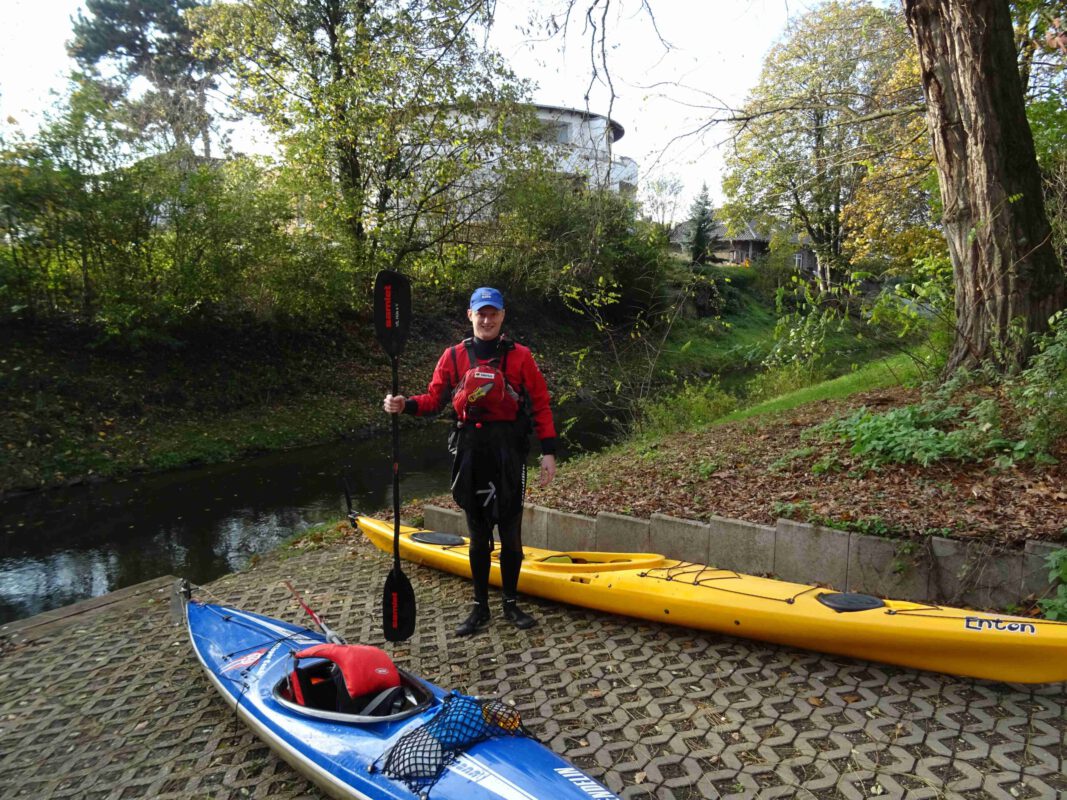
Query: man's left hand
(548, 469)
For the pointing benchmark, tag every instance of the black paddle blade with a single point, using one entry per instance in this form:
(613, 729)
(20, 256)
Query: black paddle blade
(392, 311)
(398, 607)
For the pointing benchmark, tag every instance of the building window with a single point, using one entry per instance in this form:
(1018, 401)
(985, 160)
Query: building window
(798, 259)
(554, 133)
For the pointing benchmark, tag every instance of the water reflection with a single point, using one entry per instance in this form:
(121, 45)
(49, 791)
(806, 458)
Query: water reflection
(61, 546)
(65, 545)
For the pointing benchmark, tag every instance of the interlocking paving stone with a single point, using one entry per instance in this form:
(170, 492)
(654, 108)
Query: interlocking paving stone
(113, 705)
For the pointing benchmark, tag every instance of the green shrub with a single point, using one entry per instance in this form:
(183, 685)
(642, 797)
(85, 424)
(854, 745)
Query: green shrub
(570, 244)
(920, 434)
(772, 271)
(1056, 607)
(961, 419)
(1040, 392)
(696, 406)
(921, 300)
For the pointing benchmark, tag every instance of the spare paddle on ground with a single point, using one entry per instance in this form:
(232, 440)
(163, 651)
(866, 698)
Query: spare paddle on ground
(392, 321)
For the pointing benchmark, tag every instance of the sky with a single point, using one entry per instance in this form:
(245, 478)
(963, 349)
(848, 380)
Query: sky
(661, 93)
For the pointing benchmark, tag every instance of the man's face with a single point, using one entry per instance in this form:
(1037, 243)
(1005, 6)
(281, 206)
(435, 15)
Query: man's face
(486, 321)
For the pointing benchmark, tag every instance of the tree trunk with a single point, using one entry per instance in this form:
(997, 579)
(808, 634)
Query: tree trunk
(1008, 280)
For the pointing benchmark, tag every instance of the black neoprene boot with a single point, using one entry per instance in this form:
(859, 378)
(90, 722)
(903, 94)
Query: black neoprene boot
(516, 616)
(476, 620)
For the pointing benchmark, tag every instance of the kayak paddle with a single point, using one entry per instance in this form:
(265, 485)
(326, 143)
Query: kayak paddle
(392, 321)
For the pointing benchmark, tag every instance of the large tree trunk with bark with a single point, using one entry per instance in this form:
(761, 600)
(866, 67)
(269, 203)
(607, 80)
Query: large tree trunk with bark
(1008, 280)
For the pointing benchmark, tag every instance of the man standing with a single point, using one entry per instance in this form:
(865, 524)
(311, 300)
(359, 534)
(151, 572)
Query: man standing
(497, 392)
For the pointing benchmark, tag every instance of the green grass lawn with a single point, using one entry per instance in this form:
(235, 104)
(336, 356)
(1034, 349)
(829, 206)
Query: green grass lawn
(736, 343)
(892, 371)
(734, 347)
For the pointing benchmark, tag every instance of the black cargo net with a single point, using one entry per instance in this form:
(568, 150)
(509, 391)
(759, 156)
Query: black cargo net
(421, 756)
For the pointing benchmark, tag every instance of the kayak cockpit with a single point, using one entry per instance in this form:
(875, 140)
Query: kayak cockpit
(571, 562)
(317, 688)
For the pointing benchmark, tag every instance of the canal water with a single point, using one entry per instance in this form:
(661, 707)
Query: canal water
(65, 545)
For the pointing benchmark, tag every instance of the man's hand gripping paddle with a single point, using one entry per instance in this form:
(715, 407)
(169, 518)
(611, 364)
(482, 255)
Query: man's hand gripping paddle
(392, 321)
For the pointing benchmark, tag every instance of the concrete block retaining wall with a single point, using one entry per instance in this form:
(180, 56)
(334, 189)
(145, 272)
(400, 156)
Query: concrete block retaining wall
(936, 570)
(568, 531)
(741, 546)
(620, 534)
(689, 540)
(811, 554)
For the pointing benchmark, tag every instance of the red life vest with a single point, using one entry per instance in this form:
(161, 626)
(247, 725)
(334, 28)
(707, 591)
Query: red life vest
(363, 669)
(482, 393)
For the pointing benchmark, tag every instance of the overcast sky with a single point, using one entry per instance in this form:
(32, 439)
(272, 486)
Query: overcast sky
(716, 49)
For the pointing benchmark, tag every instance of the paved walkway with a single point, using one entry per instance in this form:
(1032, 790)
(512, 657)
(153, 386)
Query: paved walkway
(110, 703)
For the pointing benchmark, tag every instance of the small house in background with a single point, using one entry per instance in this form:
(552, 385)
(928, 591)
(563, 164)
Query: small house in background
(741, 247)
(583, 145)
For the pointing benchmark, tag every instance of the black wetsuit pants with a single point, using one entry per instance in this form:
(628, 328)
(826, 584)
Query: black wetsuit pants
(481, 546)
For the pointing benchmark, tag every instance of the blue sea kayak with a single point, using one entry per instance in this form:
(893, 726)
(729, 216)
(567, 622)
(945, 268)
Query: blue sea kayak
(363, 752)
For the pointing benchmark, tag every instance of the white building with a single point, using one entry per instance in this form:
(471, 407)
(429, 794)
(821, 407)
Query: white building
(583, 144)
(579, 146)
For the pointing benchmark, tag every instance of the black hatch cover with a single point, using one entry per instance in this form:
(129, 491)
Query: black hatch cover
(850, 601)
(436, 537)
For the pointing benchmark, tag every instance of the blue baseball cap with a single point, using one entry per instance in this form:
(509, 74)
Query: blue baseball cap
(486, 296)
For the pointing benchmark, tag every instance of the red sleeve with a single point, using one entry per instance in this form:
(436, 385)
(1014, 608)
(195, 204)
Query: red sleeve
(534, 383)
(439, 392)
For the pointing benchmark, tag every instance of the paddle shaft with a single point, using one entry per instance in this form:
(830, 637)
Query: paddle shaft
(396, 468)
(392, 314)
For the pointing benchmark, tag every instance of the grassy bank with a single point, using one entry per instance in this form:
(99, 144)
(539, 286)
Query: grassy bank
(900, 370)
(74, 407)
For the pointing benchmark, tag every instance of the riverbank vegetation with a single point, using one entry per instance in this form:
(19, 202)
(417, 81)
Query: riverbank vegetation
(78, 404)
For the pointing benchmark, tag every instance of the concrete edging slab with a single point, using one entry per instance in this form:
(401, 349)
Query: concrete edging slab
(887, 568)
(976, 574)
(741, 546)
(806, 553)
(567, 531)
(684, 539)
(619, 533)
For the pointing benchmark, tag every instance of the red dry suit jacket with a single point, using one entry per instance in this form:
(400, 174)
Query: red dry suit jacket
(521, 372)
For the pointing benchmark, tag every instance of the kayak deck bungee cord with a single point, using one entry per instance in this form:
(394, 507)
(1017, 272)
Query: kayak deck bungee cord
(650, 586)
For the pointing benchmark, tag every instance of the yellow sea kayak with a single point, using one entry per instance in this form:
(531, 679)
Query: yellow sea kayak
(653, 587)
